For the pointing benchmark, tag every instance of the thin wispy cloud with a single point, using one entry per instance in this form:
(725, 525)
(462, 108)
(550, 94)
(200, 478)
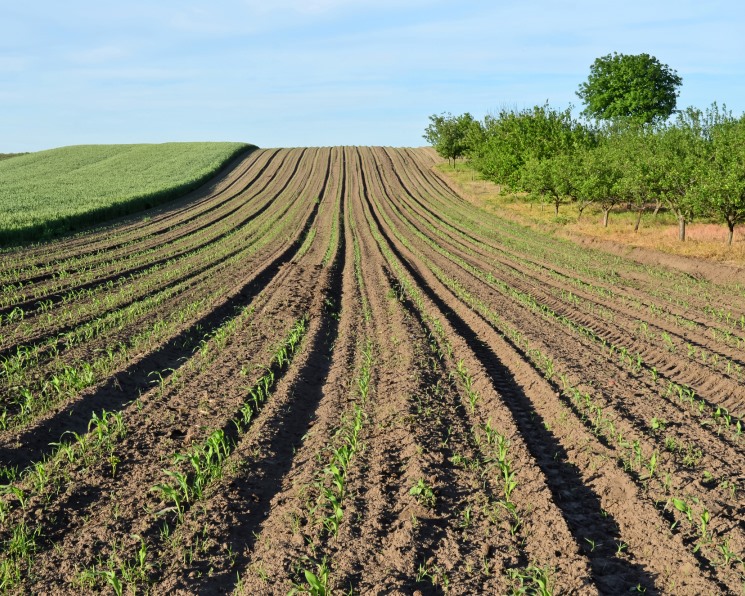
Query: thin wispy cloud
(292, 72)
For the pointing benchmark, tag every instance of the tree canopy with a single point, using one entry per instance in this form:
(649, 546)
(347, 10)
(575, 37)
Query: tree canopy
(513, 137)
(452, 136)
(636, 87)
(693, 164)
(721, 187)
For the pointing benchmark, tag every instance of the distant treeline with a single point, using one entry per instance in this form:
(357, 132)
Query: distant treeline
(9, 155)
(693, 164)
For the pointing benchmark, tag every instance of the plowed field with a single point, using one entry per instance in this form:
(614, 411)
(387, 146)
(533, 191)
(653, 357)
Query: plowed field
(326, 371)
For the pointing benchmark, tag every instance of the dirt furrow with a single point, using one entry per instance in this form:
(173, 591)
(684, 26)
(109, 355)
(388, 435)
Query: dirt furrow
(568, 574)
(179, 425)
(584, 484)
(113, 269)
(128, 232)
(372, 386)
(113, 393)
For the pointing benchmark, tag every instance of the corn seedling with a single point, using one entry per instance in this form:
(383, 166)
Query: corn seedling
(316, 582)
(532, 580)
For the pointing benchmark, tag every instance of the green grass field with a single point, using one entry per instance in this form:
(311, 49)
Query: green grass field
(53, 192)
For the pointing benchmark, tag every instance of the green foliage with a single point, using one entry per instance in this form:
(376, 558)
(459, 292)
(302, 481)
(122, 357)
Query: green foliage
(555, 180)
(424, 493)
(722, 182)
(639, 168)
(56, 191)
(513, 138)
(453, 136)
(531, 580)
(316, 584)
(630, 86)
(695, 164)
(603, 175)
(682, 150)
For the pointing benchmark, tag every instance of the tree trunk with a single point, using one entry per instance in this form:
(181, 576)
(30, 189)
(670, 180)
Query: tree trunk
(681, 228)
(605, 217)
(556, 208)
(657, 205)
(731, 227)
(638, 220)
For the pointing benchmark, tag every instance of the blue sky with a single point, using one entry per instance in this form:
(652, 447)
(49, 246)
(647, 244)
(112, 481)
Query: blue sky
(330, 72)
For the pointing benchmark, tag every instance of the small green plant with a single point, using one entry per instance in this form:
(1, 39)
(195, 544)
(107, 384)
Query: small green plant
(467, 381)
(177, 495)
(683, 507)
(531, 580)
(112, 579)
(651, 465)
(728, 555)
(423, 493)
(658, 424)
(704, 520)
(17, 492)
(316, 582)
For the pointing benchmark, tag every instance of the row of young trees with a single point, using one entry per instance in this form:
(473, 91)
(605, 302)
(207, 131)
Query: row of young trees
(693, 164)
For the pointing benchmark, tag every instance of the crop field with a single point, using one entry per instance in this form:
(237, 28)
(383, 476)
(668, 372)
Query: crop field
(59, 190)
(325, 372)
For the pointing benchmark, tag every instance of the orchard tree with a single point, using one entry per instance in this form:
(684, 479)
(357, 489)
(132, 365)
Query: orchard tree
(640, 169)
(722, 182)
(579, 172)
(514, 138)
(552, 180)
(452, 136)
(682, 149)
(600, 176)
(636, 87)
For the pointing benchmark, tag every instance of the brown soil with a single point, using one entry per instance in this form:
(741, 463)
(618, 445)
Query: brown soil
(611, 389)
(706, 269)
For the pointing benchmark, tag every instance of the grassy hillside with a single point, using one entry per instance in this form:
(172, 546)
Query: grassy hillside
(60, 190)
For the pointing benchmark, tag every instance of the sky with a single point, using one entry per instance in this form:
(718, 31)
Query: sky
(286, 73)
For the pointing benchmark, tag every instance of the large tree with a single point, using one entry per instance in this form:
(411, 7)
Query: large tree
(634, 86)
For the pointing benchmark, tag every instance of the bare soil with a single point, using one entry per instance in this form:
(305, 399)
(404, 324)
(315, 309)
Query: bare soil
(474, 406)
